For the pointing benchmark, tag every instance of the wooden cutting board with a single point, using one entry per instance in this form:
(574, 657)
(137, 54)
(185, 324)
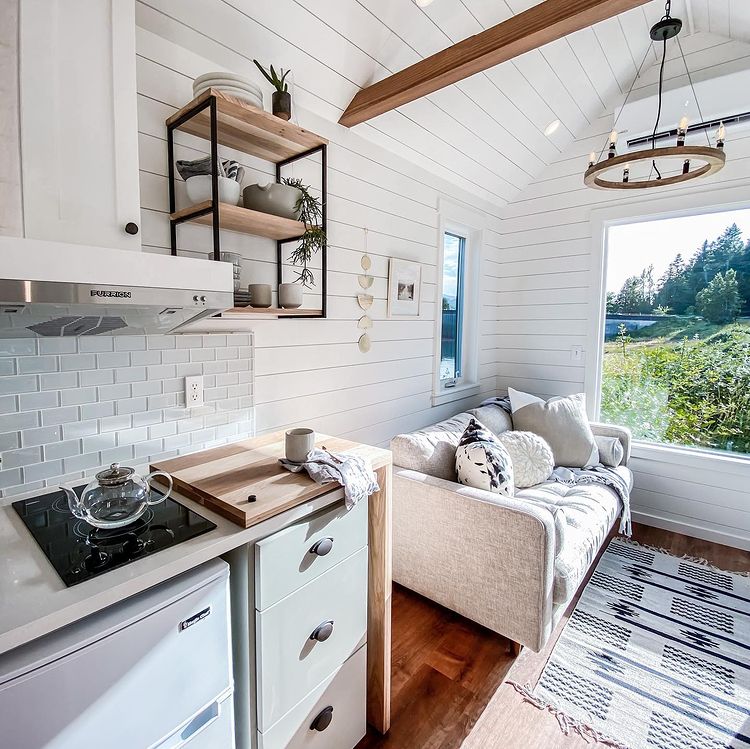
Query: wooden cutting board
(225, 478)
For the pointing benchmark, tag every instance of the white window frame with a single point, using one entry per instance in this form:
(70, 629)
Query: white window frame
(711, 199)
(463, 221)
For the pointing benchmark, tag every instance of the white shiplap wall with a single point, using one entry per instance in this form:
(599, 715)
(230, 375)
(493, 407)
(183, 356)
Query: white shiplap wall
(546, 271)
(311, 372)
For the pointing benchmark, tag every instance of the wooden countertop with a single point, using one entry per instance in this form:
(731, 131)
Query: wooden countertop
(224, 478)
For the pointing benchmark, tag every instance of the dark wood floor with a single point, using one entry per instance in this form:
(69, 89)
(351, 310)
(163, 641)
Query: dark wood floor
(448, 672)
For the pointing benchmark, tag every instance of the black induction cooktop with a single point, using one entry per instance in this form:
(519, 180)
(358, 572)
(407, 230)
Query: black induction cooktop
(78, 551)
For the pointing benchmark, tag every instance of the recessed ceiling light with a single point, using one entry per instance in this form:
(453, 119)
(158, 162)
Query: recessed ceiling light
(422, 3)
(552, 127)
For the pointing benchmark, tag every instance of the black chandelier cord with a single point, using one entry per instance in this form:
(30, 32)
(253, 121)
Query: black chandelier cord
(658, 111)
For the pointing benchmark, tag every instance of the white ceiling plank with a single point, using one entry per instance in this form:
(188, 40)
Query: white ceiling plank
(589, 52)
(739, 20)
(718, 17)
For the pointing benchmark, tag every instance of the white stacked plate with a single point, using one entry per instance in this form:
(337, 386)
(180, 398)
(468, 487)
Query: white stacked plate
(231, 84)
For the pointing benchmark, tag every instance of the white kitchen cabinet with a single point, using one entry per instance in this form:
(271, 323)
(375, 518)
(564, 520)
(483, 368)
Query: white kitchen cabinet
(78, 122)
(299, 617)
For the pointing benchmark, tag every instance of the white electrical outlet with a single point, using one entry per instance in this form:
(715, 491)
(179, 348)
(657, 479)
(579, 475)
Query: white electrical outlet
(193, 391)
(576, 353)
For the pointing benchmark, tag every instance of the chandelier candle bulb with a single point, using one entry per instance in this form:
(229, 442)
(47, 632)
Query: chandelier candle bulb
(626, 173)
(686, 166)
(721, 135)
(612, 144)
(682, 129)
(592, 158)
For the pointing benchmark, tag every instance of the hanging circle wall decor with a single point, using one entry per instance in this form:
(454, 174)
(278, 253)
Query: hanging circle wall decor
(365, 300)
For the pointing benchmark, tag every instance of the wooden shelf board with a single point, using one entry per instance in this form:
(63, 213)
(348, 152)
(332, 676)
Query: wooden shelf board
(236, 218)
(240, 312)
(248, 129)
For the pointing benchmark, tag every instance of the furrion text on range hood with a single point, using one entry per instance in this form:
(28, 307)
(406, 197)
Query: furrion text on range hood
(59, 290)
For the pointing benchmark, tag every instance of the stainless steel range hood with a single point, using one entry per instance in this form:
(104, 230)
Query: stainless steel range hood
(55, 289)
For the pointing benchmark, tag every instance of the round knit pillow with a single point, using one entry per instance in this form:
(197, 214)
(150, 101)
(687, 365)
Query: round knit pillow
(531, 456)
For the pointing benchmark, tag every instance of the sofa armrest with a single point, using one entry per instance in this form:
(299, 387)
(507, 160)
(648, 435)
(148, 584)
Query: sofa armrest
(611, 430)
(483, 555)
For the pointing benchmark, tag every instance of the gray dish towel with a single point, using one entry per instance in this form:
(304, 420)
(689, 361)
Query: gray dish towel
(353, 472)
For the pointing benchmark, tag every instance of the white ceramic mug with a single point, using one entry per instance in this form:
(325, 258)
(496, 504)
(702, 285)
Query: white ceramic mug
(298, 444)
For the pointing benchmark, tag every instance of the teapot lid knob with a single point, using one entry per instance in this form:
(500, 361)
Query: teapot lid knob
(114, 475)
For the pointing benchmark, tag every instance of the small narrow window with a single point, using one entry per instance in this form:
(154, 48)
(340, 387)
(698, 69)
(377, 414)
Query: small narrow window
(451, 339)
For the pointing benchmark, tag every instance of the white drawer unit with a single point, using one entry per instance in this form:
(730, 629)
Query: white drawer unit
(331, 716)
(292, 557)
(304, 638)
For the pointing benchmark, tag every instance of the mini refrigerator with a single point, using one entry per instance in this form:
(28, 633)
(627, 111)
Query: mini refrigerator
(151, 672)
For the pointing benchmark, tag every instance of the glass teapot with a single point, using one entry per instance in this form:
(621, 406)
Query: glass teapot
(115, 497)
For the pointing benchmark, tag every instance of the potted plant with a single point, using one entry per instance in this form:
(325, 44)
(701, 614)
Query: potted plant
(310, 214)
(281, 100)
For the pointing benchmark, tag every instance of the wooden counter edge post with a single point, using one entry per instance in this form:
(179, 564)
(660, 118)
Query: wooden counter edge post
(379, 608)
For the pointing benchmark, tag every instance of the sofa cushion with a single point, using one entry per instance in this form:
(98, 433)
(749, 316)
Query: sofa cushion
(583, 516)
(496, 419)
(531, 456)
(562, 422)
(431, 450)
(483, 462)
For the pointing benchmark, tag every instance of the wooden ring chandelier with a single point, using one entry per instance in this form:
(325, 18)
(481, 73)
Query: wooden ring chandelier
(710, 159)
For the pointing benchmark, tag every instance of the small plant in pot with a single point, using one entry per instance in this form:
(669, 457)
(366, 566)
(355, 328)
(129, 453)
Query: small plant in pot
(310, 211)
(281, 100)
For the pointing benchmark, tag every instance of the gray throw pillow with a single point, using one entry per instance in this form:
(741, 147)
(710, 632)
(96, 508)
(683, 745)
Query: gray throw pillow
(611, 451)
(562, 422)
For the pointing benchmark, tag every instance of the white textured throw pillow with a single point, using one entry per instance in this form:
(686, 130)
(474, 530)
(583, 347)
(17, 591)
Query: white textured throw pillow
(532, 458)
(482, 462)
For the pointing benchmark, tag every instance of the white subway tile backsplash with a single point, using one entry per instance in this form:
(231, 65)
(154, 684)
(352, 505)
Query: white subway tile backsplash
(39, 401)
(24, 457)
(78, 396)
(41, 471)
(99, 442)
(114, 392)
(97, 410)
(131, 405)
(71, 405)
(58, 345)
(41, 436)
(95, 344)
(131, 374)
(9, 404)
(80, 429)
(130, 343)
(97, 377)
(38, 364)
(59, 381)
(62, 449)
(77, 362)
(114, 360)
(10, 441)
(64, 415)
(19, 384)
(18, 347)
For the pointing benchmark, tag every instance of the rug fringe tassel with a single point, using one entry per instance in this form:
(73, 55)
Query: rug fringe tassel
(695, 560)
(567, 724)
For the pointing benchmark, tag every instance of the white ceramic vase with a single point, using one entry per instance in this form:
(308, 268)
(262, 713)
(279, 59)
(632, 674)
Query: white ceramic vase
(290, 295)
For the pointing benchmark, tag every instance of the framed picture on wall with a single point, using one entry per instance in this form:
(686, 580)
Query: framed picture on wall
(404, 288)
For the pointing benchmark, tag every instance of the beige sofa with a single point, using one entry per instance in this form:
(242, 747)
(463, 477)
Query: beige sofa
(512, 565)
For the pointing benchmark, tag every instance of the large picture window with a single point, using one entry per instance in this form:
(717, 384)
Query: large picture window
(676, 362)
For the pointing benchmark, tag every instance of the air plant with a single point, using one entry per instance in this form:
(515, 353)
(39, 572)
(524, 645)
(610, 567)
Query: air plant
(310, 211)
(273, 78)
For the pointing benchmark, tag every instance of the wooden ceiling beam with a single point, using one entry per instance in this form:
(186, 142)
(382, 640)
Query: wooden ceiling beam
(539, 25)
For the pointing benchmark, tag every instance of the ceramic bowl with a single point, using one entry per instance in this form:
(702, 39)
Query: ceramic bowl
(275, 198)
(199, 189)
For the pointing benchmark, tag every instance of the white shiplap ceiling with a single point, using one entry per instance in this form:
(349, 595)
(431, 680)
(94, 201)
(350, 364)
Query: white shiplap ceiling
(485, 133)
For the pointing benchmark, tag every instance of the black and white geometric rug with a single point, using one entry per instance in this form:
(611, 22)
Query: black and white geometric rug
(656, 655)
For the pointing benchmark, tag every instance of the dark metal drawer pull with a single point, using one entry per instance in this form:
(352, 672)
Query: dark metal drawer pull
(322, 719)
(322, 547)
(323, 631)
